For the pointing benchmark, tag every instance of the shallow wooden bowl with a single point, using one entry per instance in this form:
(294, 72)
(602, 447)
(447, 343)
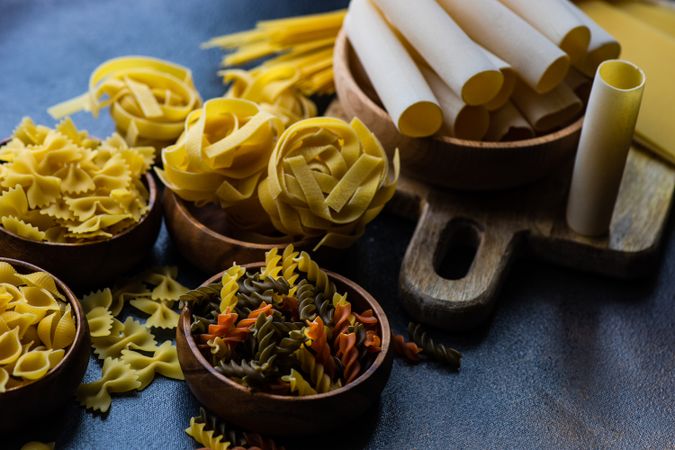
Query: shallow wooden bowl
(86, 265)
(446, 161)
(283, 415)
(203, 238)
(20, 406)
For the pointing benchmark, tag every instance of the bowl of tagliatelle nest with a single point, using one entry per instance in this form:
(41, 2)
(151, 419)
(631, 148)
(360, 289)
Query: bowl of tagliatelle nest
(425, 78)
(44, 344)
(242, 180)
(82, 208)
(283, 347)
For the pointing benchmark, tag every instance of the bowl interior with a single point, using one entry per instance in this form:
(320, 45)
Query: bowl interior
(360, 299)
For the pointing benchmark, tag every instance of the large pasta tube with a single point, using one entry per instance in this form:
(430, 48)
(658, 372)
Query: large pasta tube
(555, 21)
(459, 119)
(546, 111)
(510, 77)
(507, 124)
(602, 45)
(446, 48)
(538, 61)
(394, 75)
(605, 139)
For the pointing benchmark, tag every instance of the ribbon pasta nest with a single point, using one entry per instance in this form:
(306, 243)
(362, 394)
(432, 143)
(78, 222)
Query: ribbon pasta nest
(284, 329)
(37, 326)
(61, 185)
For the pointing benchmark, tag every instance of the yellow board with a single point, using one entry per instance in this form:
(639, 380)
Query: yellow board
(660, 17)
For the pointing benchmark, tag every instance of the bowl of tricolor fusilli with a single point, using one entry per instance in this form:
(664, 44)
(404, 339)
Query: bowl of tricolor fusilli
(44, 344)
(283, 347)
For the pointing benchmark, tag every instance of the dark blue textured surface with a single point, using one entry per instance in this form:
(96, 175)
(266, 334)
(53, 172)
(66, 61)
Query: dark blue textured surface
(569, 361)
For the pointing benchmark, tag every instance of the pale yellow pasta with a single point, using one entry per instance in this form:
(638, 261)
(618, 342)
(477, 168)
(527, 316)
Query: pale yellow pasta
(321, 382)
(164, 361)
(59, 185)
(166, 288)
(35, 445)
(272, 268)
(117, 376)
(230, 281)
(100, 321)
(57, 330)
(149, 98)
(130, 334)
(36, 301)
(207, 438)
(161, 315)
(298, 383)
(327, 178)
(10, 346)
(35, 364)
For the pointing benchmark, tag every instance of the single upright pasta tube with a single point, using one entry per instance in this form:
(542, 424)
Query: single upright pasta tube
(538, 61)
(510, 77)
(507, 124)
(547, 111)
(601, 47)
(555, 21)
(394, 75)
(605, 140)
(459, 119)
(446, 48)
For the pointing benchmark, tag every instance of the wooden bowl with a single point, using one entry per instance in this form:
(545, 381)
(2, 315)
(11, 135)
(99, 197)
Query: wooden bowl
(284, 414)
(201, 235)
(447, 161)
(20, 406)
(86, 265)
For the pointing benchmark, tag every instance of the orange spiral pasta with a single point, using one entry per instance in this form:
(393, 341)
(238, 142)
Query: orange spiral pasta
(243, 327)
(225, 322)
(349, 356)
(373, 342)
(408, 350)
(343, 311)
(317, 333)
(367, 317)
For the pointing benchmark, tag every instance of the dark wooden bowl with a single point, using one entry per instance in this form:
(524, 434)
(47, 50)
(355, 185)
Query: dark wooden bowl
(201, 235)
(447, 161)
(284, 415)
(20, 406)
(86, 265)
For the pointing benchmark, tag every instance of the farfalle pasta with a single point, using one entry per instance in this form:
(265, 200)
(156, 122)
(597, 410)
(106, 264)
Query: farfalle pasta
(61, 185)
(36, 326)
(149, 98)
(284, 329)
(327, 178)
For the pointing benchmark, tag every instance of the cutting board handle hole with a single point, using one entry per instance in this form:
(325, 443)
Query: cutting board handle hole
(457, 249)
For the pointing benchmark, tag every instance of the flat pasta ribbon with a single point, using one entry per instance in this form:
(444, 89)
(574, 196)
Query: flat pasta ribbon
(327, 178)
(149, 98)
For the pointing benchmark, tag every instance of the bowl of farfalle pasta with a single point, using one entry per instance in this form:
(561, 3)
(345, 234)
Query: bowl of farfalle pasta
(44, 343)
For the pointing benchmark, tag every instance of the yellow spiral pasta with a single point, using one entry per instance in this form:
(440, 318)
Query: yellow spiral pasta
(327, 178)
(274, 90)
(230, 281)
(208, 438)
(222, 155)
(36, 326)
(149, 98)
(298, 383)
(59, 185)
(320, 379)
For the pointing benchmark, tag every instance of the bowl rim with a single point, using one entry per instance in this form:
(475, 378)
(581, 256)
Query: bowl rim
(78, 312)
(180, 207)
(377, 363)
(341, 60)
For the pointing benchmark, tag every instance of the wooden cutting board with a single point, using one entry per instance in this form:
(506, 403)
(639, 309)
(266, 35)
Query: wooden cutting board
(465, 242)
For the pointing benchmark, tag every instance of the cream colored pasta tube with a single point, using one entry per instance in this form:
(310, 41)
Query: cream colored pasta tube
(537, 60)
(507, 86)
(555, 21)
(601, 47)
(546, 111)
(446, 48)
(507, 124)
(606, 137)
(579, 83)
(394, 75)
(459, 119)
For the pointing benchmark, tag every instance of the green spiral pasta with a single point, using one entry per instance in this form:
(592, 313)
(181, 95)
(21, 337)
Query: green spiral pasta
(291, 342)
(265, 341)
(317, 374)
(305, 295)
(201, 294)
(248, 371)
(284, 328)
(324, 307)
(437, 351)
(315, 274)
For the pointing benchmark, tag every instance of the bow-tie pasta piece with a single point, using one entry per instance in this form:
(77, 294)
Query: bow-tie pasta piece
(327, 178)
(149, 98)
(117, 377)
(164, 361)
(161, 314)
(130, 334)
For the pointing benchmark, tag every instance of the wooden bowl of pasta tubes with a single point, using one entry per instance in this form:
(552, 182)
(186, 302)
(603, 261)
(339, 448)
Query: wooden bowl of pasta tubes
(281, 376)
(44, 344)
(84, 209)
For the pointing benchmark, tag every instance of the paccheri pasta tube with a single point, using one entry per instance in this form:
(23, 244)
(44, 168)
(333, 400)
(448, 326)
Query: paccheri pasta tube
(555, 21)
(37, 326)
(149, 98)
(61, 185)
(446, 48)
(538, 61)
(459, 119)
(508, 124)
(509, 83)
(404, 92)
(547, 111)
(603, 147)
(601, 47)
(327, 178)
